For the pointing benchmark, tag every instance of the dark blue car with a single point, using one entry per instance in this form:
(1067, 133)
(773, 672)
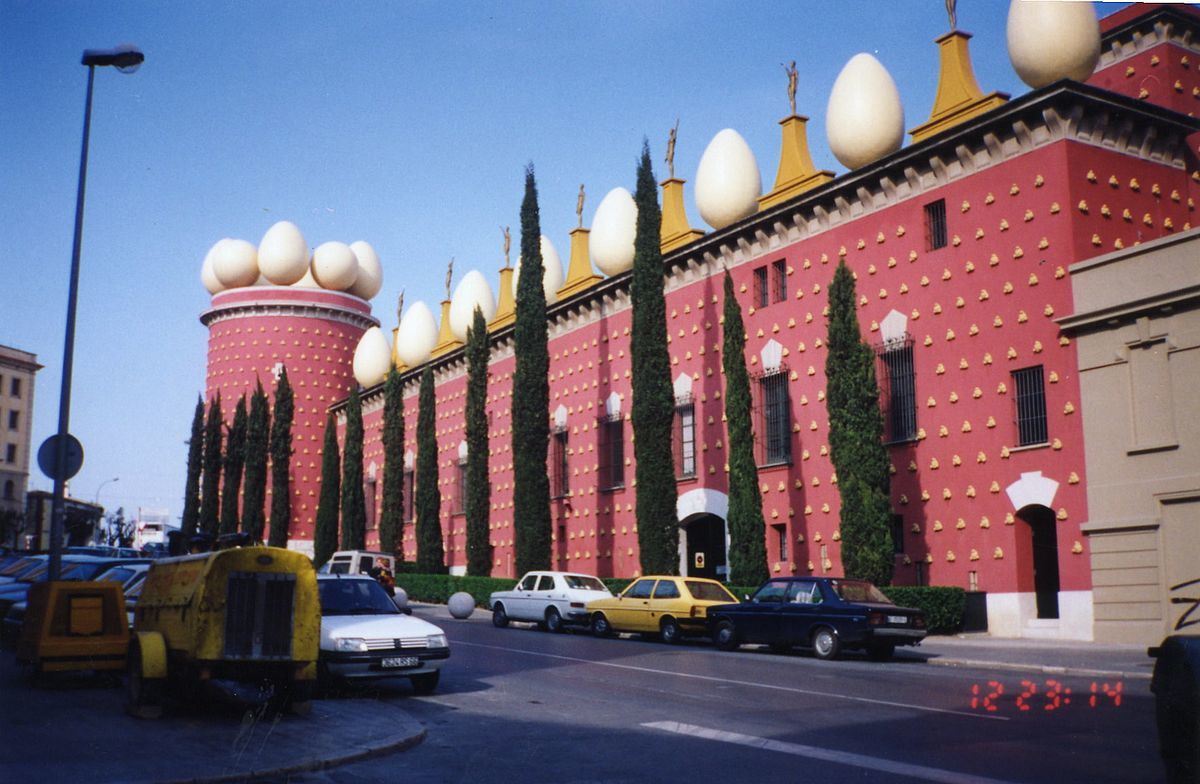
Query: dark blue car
(827, 614)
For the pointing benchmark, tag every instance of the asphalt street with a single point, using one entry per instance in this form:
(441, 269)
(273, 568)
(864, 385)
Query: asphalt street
(526, 706)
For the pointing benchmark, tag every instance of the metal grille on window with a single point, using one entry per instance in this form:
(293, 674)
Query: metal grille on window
(1031, 406)
(778, 281)
(258, 615)
(761, 292)
(612, 452)
(898, 390)
(685, 437)
(559, 477)
(409, 500)
(775, 415)
(935, 225)
(898, 534)
(460, 502)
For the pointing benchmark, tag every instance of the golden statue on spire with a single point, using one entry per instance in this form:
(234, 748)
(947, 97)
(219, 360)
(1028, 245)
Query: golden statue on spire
(674, 133)
(951, 9)
(449, 276)
(400, 307)
(507, 244)
(793, 77)
(579, 205)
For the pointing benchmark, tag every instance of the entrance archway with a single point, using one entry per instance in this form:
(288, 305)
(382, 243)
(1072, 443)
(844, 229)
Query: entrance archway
(704, 547)
(1043, 557)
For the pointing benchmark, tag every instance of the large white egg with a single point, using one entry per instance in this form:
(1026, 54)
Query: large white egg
(235, 263)
(370, 271)
(1051, 41)
(552, 277)
(334, 266)
(614, 228)
(728, 182)
(307, 282)
(471, 292)
(864, 120)
(372, 358)
(283, 254)
(207, 276)
(417, 335)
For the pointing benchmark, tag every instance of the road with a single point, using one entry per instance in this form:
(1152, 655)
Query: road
(519, 705)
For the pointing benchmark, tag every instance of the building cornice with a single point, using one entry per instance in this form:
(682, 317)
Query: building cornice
(1166, 24)
(287, 308)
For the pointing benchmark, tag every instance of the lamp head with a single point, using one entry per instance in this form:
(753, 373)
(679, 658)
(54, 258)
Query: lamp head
(126, 58)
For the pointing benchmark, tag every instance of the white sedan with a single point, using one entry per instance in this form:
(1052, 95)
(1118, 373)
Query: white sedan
(549, 599)
(365, 637)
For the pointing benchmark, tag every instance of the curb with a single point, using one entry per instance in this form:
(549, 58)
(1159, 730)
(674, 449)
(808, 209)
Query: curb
(1042, 668)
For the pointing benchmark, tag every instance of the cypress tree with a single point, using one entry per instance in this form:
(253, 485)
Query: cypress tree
(531, 395)
(653, 396)
(191, 487)
(478, 490)
(325, 535)
(210, 498)
(747, 545)
(255, 480)
(856, 438)
(430, 553)
(281, 459)
(235, 460)
(354, 508)
(391, 519)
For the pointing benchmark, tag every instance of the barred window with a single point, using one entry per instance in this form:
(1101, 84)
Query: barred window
(782, 540)
(761, 293)
(685, 437)
(935, 225)
(460, 498)
(778, 281)
(775, 418)
(612, 452)
(1031, 406)
(409, 501)
(560, 484)
(898, 390)
(898, 534)
(369, 491)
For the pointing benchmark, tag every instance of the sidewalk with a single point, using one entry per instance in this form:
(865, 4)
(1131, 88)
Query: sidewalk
(1063, 657)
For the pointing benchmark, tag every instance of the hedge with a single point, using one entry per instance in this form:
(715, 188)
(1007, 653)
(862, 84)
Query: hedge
(943, 605)
(438, 588)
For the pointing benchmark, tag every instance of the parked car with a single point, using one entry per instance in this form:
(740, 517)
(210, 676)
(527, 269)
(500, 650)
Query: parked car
(130, 575)
(552, 600)
(673, 607)
(356, 562)
(74, 568)
(365, 637)
(825, 613)
(22, 566)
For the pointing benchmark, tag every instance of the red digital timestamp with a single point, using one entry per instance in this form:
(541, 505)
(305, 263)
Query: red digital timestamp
(1050, 695)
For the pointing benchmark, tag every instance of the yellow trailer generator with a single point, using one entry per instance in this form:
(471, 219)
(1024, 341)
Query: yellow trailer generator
(74, 626)
(244, 622)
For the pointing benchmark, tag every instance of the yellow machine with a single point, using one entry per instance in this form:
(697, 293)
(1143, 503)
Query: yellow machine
(245, 617)
(74, 626)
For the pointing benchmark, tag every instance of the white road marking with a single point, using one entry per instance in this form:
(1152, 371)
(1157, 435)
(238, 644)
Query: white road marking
(826, 755)
(752, 684)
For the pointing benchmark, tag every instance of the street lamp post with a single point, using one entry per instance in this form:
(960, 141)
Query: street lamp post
(125, 59)
(96, 501)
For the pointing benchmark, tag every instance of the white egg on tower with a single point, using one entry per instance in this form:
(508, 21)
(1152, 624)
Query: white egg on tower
(1052, 41)
(728, 182)
(370, 271)
(416, 335)
(334, 266)
(235, 263)
(552, 278)
(207, 276)
(283, 256)
(614, 228)
(372, 358)
(864, 120)
(471, 292)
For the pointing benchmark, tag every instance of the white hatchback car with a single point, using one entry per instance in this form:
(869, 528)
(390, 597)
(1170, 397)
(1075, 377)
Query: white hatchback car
(549, 599)
(365, 637)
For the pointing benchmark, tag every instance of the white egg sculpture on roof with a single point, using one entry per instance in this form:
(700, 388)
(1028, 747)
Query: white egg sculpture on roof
(614, 228)
(864, 119)
(728, 182)
(417, 335)
(471, 292)
(552, 278)
(372, 358)
(370, 271)
(334, 266)
(283, 254)
(235, 263)
(207, 276)
(1052, 41)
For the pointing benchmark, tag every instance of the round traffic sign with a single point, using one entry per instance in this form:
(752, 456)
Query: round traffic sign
(48, 457)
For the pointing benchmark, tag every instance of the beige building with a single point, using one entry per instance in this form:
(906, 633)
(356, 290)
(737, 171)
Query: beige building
(1137, 329)
(17, 371)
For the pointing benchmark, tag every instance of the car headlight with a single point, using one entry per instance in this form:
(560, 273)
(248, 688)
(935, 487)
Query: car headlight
(352, 644)
(436, 641)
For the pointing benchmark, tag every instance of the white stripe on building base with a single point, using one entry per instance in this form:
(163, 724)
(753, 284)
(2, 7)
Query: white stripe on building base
(826, 755)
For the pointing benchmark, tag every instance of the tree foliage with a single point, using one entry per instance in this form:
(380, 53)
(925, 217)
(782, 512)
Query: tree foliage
(747, 535)
(431, 556)
(531, 396)
(856, 438)
(281, 459)
(235, 461)
(354, 508)
(653, 395)
(325, 535)
(210, 496)
(391, 518)
(478, 489)
(254, 490)
(191, 487)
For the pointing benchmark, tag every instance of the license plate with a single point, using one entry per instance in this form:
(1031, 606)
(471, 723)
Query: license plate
(401, 661)
(901, 619)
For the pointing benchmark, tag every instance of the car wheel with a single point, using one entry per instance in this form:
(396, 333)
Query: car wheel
(600, 626)
(780, 648)
(881, 651)
(725, 636)
(554, 621)
(669, 632)
(825, 643)
(426, 683)
(499, 616)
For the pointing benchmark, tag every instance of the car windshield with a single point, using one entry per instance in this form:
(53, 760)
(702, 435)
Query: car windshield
(21, 567)
(858, 591)
(709, 592)
(584, 583)
(118, 574)
(354, 597)
(82, 571)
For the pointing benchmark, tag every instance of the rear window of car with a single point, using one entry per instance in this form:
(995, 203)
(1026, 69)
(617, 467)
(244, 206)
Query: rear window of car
(708, 592)
(339, 567)
(858, 591)
(582, 582)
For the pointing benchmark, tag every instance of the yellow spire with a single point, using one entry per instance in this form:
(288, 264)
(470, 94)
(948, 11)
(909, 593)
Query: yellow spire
(445, 340)
(796, 170)
(506, 307)
(676, 231)
(397, 363)
(579, 270)
(958, 95)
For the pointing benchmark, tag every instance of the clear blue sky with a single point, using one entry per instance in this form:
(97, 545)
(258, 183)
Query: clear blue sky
(404, 124)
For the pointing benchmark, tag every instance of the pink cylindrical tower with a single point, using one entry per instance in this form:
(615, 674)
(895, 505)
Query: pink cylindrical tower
(256, 331)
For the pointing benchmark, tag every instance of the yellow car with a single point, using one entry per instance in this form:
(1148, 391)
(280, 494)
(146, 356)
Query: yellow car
(671, 606)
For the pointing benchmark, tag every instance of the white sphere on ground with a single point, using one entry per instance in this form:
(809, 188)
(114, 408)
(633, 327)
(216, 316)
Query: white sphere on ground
(1051, 41)
(307, 282)
(283, 254)
(417, 334)
(370, 271)
(400, 598)
(614, 228)
(461, 605)
(235, 263)
(207, 276)
(728, 182)
(372, 358)
(552, 276)
(473, 291)
(864, 120)
(334, 266)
